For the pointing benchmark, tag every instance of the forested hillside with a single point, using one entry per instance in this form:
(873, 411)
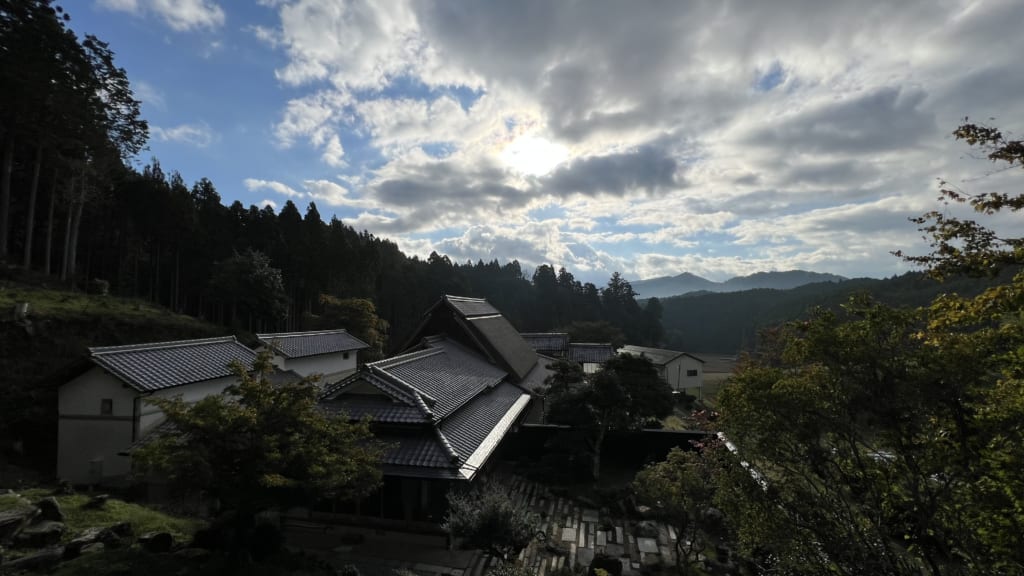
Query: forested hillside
(73, 208)
(731, 322)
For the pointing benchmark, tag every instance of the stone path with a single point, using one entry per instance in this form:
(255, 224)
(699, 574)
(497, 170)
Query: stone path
(575, 534)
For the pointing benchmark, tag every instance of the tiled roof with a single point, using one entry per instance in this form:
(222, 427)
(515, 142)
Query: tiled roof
(160, 365)
(658, 356)
(454, 405)
(302, 344)
(590, 352)
(505, 342)
(378, 408)
(467, 428)
(471, 307)
(547, 341)
(535, 379)
(447, 373)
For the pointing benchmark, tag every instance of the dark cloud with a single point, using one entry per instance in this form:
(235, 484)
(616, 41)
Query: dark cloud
(887, 118)
(647, 168)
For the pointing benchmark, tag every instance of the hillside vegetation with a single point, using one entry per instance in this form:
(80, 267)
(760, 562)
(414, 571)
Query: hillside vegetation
(50, 344)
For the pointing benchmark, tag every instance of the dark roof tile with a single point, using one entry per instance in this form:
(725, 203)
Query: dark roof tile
(160, 365)
(302, 344)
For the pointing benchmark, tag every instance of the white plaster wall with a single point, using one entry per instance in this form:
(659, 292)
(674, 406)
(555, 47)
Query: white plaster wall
(676, 373)
(85, 435)
(329, 365)
(151, 415)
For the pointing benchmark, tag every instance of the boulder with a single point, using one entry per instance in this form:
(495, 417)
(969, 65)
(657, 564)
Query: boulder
(39, 561)
(156, 542)
(96, 502)
(49, 509)
(40, 534)
(15, 520)
(119, 535)
(87, 538)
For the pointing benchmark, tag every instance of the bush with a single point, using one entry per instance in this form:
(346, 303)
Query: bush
(486, 517)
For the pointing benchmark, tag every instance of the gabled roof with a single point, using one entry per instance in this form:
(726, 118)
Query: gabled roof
(444, 407)
(481, 326)
(590, 352)
(658, 356)
(160, 365)
(547, 341)
(302, 344)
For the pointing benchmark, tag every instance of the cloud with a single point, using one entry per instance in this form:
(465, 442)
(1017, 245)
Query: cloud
(149, 94)
(180, 15)
(254, 185)
(199, 135)
(268, 202)
(699, 136)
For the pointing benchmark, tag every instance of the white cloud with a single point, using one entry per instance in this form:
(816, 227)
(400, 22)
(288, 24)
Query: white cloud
(268, 202)
(688, 137)
(199, 135)
(149, 94)
(180, 15)
(253, 185)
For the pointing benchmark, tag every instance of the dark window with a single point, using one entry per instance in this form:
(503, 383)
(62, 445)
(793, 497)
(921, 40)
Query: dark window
(344, 355)
(106, 406)
(691, 372)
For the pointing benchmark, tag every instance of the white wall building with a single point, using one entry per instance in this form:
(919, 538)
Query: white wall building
(330, 353)
(680, 369)
(104, 410)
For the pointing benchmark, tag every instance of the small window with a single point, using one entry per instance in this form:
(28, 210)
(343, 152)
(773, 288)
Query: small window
(344, 355)
(691, 373)
(106, 406)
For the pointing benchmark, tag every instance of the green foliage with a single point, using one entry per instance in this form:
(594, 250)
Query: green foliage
(359, 317)
(625, 393)
(890, 441)
(487, 517)
(247, 280)
(682, 489)
(260, 444)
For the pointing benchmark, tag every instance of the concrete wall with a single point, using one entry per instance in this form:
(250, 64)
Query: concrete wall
(88, 442)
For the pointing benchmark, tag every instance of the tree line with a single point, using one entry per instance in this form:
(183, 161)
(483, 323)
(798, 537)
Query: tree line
(71, 206)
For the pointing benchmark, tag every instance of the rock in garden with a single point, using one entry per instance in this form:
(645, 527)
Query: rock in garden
(39, 561)
(118, 535)
(88, 537)
(96, 502)
(40, 534)
(14, 520)
(49, 509)
(156, 542)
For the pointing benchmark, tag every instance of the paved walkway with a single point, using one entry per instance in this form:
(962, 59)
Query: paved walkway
(576, 533)
(573, 534)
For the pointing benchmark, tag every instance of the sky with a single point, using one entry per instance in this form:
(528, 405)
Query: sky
(714, 137)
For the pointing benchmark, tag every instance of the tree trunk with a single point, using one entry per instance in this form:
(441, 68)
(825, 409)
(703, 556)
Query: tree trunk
(6, 167)
(67, 245)
(49, 223)
(76, 226)
(30, 217)
(596, 471)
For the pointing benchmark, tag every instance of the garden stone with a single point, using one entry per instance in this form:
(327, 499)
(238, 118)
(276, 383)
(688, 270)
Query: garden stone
(49, 509)
(88, 537)
(118, 535)
(41, 534)
(38, 561)
(646, 529)
(156, 542)
(96, 502)
(13, 521)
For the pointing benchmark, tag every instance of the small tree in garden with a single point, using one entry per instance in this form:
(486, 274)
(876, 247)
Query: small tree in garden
(486, 517)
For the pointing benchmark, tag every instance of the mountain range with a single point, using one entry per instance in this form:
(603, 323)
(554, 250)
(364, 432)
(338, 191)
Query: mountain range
(666, 286)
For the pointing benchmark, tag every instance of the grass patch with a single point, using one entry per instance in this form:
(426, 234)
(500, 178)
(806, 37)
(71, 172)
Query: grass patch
(77, 517)
(66, 305)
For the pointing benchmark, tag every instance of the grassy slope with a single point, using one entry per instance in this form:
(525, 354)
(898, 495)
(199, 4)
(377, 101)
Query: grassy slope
(64, 325)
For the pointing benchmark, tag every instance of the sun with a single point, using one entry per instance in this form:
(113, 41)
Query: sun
(533, 156)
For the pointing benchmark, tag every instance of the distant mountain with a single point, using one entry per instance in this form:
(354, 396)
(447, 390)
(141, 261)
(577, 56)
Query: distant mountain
(676, 285)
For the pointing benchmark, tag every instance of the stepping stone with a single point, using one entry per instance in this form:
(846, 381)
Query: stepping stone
(568, 534)
(618, 535)
(582, 542)
(602, 538)
(590, 515)
(584, 556)
(615, 550)
(672, 534)
(647, 545)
